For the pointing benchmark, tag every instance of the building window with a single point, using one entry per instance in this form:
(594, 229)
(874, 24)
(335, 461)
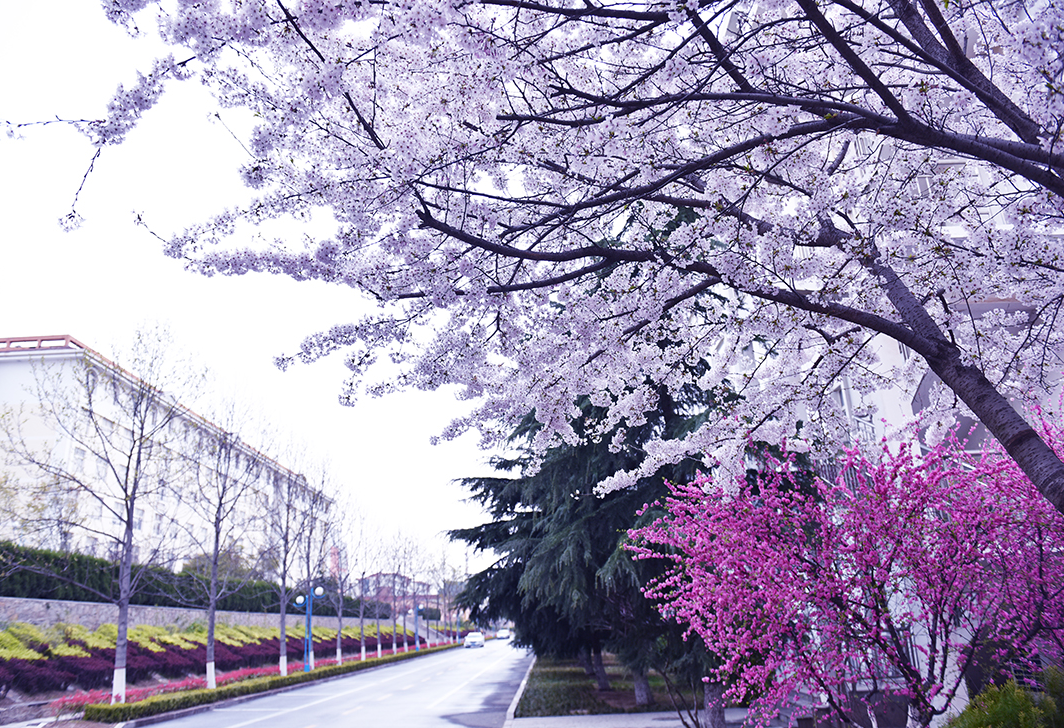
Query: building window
(78, 465)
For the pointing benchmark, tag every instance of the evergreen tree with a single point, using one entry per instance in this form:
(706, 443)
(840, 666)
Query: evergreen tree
(563, 576)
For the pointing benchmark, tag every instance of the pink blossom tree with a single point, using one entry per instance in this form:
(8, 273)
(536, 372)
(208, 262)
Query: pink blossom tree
(550, 199)
(888, 582)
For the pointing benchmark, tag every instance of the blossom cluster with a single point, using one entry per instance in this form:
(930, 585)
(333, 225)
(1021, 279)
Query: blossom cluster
(599, 199)
(900, 576)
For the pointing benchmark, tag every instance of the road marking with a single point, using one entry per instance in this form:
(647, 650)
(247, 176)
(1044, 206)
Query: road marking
(322, 700)
(489, 667)
(384, 697)
(349, 712)
(244, 710)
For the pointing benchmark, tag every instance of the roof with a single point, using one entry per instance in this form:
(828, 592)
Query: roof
(37, 343)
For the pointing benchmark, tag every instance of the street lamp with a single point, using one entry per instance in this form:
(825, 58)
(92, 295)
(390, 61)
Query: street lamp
(417, 634)
(308, 639)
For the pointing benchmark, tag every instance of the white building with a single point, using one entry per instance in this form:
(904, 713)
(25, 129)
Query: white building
(98, 458)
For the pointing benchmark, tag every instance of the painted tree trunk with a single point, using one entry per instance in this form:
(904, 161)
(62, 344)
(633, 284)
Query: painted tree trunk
(339, 634)
(212, 608)
(125, 584)
(283, 663)
(643, 696)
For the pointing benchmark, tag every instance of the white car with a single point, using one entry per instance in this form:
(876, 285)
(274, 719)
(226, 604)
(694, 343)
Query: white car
(503, 634)
(473, 639)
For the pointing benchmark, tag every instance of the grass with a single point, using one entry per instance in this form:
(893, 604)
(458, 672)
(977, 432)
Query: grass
(561, 687)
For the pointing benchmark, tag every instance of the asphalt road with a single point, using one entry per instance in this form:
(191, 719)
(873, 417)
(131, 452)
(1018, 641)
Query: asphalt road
(459, 687)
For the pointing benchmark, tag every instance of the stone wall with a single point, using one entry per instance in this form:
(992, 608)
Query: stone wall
(46, 612)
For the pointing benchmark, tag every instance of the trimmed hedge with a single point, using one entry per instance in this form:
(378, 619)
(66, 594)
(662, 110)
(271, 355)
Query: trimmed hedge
(192, 698)
(70, 655)
(41, 574)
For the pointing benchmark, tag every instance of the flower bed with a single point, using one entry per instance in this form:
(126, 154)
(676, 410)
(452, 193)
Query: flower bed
(35, 661)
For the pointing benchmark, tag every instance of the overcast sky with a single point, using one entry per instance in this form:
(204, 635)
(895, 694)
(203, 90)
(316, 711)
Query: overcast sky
(102, 281)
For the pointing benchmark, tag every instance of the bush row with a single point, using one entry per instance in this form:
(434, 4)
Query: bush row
(95, 668)
(191, 698)
(42, 574)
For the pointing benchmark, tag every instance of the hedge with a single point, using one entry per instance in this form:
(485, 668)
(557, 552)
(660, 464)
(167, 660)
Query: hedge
(192, 698)
(41, 574)
(33, 662)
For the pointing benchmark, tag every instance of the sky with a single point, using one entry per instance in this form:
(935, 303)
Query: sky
(107, 278)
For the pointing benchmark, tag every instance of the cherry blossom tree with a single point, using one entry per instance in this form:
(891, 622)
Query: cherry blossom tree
(891, 581)
(550, 199)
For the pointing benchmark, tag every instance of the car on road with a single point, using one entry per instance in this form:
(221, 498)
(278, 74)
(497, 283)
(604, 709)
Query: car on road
(503, 634)
(473, 639)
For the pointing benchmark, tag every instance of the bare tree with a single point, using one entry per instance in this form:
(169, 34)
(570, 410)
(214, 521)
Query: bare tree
(343, 528)
(227, 479)
(98, 446)
(377, 611)
(315, 536)
(443, 576)
(286, 522)
(402, 556)
(357, 549)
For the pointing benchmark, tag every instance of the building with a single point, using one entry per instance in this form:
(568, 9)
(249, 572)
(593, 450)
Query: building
(101, 461)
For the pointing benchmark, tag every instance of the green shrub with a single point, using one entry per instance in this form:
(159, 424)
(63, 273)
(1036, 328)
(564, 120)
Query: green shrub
(191, 698)
(1011, 706)
(77, 633)
(12, 649)
(29, 635)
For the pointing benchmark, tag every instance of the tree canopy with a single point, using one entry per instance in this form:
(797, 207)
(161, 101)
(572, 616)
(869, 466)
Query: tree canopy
(497, 172)
(563, 575)
(906, 577)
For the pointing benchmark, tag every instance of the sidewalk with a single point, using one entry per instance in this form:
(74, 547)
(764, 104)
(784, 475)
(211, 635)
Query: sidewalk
(732, 716)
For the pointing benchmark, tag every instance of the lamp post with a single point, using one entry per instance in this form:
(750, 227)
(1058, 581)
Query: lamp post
(308, 639)
(417, 634)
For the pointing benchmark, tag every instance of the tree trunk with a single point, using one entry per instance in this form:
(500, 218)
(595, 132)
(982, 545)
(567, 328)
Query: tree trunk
(395, 611)
(212, 682)
(362, 626)
(968, 382)
(118, 687)
(643, 696)
(339, 630)
(212, 608)
(600, 670)
(283, 663)
(712, 705)
(584, 658)
(125, 584)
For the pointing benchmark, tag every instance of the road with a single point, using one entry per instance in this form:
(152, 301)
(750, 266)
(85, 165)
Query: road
(459, 687)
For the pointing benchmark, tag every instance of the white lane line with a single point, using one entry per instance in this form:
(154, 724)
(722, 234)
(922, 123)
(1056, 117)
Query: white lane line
(349, 712)
(325, 699)
(384, 697)
(489, 667)
(244, 710)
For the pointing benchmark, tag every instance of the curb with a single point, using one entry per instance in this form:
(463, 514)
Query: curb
(517, 697)
(195, 709)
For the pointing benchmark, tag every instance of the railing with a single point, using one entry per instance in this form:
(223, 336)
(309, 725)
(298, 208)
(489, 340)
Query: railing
(36, 343)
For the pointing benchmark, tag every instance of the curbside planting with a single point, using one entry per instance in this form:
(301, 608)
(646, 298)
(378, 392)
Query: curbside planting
(192, 699)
